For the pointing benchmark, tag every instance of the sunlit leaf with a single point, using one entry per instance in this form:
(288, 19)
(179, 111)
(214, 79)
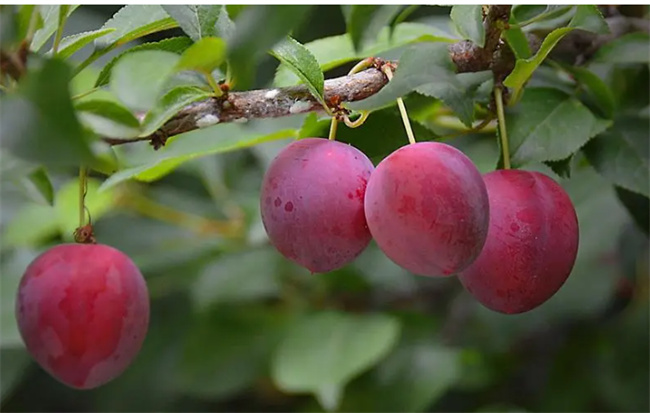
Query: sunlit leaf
(197, 21)
(298, 58)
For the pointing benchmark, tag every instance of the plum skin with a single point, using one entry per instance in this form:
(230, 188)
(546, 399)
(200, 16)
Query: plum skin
(311, 202)
(532, 243)
(83, 313)
(427, 209)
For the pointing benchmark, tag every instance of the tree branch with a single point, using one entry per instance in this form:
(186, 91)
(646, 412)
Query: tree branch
(271, 103)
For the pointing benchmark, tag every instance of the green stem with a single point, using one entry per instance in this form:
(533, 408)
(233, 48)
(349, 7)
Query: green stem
(333, 128)
(358, 122)
(402, 109)
(31, 29)
(83, 185)
(57, 40)
(362, 65)
(86, 93)
(498, 97)
(215, 87)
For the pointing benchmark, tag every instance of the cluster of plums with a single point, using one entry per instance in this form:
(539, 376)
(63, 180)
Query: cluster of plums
(511, 236)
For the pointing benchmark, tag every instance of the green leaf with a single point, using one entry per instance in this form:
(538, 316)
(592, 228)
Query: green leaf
(15, 366)
(638, 206)
(38, 183)
(562, 167)
(151, 165)
(66, 205)
(365, 22)
(460, 94)
(518, 42)
(589, 18)
(132, 22)
(23, 17)
(169, 105)
(524, 68)
(72, 44)
(296, 57)
(402, 16)
(621, 154)
(331, 52)
(241, 343)
(629, 48)
(324, 351)
(50, 16)
(468, 20)
(524, 14)
(419, 65)
(12, 269)
(197, 21)
(39, 122)
(548, 125)
(236, 278)
(203, 56)
(175, 45)
(132, 82)
(586, 18)
(408, 375)
(246, 46)
(108, 118)
(596, 87)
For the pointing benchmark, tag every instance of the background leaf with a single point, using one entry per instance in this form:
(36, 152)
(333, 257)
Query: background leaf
(588, 18)
(548, 125)
(132, 22)
(296, 57)
(468, 20)
(71, 44)
(621, 155)
(197, 21)
(364, 22)
(50, 16)
(131, 79)
(629, 48)
(43, 104)
(175, 45)
(108, 118)
(204, 56)
(169, 105)
(245, 47)
(325, 350)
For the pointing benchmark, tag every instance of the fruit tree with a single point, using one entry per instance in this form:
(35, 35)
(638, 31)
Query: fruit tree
(324, 208)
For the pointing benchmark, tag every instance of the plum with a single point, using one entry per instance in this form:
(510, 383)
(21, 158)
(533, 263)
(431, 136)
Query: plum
(427, 209)
(531, 246)
(312, 203)
(83, 313)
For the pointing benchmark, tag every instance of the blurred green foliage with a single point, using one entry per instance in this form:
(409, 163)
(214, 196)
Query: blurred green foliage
(234, 325)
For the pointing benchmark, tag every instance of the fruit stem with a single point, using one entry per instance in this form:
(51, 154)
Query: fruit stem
(498, 97)
(358, 122)
(333, 128)
(215, 87)
(402, 109)
(83, 189)
(362, 65)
